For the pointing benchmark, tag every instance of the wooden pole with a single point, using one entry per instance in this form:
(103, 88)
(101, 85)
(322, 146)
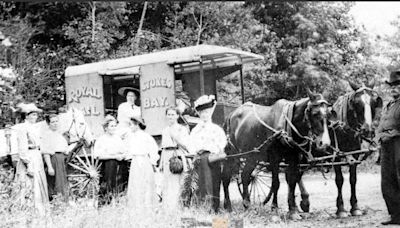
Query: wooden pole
(202, 92)
(241, 83)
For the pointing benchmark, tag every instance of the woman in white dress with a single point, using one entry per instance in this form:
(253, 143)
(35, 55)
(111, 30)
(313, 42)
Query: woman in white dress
(30, 169)
(172, 182)
(142, 150)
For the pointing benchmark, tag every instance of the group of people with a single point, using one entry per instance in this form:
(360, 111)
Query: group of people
(39, 157)
(129, 156)
(125, 140)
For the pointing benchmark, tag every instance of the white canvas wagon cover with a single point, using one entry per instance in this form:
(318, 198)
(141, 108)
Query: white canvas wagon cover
(184, 59)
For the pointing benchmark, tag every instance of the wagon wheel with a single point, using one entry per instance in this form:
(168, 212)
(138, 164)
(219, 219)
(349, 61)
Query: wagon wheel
(84, 175)
(260, 182)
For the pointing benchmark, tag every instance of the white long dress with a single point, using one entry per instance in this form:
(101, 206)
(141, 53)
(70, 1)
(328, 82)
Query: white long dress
(143, 152)
(172, 182)
(32, 176)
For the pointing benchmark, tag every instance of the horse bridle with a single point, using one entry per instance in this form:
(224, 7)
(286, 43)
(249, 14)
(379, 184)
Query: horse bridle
(358, 129)
(73, 123)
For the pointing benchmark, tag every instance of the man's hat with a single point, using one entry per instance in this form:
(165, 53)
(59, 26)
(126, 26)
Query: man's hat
(394, 78)
(124, 90)
(204, 102)
(140, 121)
(28, 108)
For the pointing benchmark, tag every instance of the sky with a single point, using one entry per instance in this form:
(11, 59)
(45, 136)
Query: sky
(376, 16)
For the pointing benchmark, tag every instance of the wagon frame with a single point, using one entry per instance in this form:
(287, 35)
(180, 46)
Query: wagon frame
(194, 70)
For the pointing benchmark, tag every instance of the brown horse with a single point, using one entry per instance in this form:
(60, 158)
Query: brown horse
(356, 111)
(251, 125)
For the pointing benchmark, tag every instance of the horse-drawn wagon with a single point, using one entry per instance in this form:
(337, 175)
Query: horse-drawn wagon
(194, 70)
(160, 77)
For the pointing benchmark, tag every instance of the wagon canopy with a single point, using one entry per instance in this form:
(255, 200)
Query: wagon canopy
(184, 60)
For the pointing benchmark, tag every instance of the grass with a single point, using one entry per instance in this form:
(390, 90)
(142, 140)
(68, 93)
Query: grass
(82, 213)
(116, 214)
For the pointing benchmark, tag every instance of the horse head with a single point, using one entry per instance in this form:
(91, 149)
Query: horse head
(364, 104)
(73, 125)
(318, 113)
(184, 104)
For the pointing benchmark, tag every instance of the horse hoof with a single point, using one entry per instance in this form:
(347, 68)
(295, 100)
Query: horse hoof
(342, 214)
(228, 209)
(246, 204)
(294, 216)
(356, 212)
(305, 206)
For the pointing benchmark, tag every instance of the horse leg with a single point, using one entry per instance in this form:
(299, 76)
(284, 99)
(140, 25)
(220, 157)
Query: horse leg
(292, 177)
(355, 210)
(226, 179)
(249, 166)
(275, 185)
(341, 212)
(304, 203)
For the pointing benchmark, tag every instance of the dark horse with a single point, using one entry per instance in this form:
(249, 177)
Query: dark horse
(356, 111)
(248, 127)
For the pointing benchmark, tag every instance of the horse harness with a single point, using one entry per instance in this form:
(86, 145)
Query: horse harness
(279, 133)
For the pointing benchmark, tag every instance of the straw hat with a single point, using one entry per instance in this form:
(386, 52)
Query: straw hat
(394, 78)
(204, 102)
(124, 90)
(28, 108)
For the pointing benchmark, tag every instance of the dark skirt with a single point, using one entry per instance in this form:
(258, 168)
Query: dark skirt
(209, 179)
(58, 184)
(113, 180)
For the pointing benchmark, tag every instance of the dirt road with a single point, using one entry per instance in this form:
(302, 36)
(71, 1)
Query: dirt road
(323, 193)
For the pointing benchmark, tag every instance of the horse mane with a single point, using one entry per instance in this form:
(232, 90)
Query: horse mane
(342, 106)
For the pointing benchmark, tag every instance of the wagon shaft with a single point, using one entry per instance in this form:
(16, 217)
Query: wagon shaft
(344, 154)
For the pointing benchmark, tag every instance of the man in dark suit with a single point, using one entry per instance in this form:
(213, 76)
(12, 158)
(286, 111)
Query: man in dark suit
(388, 134)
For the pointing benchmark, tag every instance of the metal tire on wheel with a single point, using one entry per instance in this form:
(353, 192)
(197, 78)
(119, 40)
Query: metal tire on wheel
(84, 175)
(260, 183)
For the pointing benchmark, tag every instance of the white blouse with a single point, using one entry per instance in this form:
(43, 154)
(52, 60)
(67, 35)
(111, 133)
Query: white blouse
(207, 136)
(126, 111)
(181, 131)
(28, 137)
(141, 143)
(53, 141)
(108, 146)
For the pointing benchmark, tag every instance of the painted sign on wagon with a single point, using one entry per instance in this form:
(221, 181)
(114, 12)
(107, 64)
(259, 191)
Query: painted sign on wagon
(157, 93)
(85, 92)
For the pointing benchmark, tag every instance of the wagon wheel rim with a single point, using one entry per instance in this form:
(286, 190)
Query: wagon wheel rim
(260, 183)
(85, 179)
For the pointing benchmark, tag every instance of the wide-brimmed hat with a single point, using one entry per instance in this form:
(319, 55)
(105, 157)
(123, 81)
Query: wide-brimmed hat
(140, 121)
(28, 108)
(124, 90)
(394, 78)
(204, 102)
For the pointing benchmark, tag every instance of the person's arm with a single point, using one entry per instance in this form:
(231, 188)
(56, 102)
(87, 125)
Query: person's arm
(221, 138)
(153, 150)
(181, 138)
(47, 160)
(120, 112)
(22, 145)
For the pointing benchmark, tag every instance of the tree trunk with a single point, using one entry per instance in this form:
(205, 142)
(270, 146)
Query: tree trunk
(139, 31)
(93, 6)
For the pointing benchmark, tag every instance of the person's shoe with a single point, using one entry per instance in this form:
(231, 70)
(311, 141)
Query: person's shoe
(393, 221)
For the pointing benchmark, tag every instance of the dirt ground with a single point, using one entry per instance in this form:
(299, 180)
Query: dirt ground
(323, 193)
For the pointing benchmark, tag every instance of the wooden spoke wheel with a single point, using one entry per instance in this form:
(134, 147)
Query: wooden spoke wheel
(260, 182)
(83, 175)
